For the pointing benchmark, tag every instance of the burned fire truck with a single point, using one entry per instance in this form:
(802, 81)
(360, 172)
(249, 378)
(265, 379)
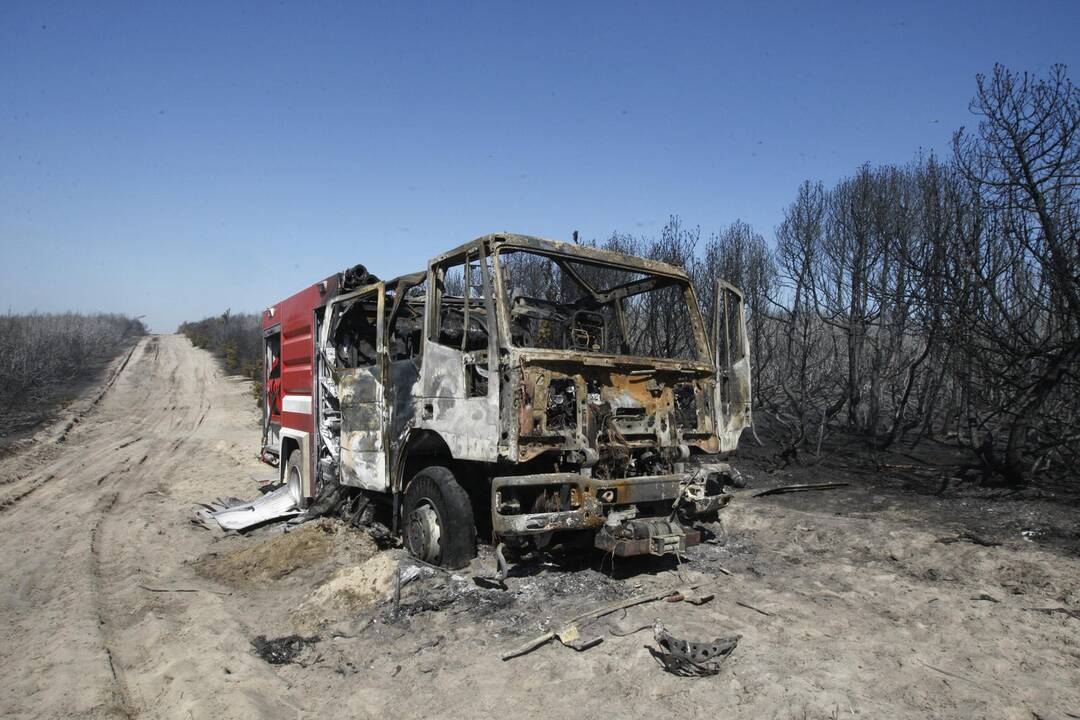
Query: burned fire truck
(521, 390)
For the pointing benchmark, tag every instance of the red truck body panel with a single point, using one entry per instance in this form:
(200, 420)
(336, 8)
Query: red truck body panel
(295, 316)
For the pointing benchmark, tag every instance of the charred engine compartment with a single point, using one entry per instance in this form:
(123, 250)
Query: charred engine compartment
(611, 447)
(618, 423)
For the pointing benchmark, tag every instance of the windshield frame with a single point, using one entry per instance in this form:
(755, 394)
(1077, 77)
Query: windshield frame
(667, 275)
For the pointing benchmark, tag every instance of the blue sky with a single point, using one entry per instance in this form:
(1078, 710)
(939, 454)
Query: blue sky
(174, 160)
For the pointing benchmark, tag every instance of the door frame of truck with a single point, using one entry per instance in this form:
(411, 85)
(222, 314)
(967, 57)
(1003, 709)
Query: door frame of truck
(375, 441)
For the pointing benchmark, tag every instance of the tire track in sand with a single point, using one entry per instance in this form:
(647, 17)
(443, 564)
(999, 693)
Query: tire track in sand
(121, 694)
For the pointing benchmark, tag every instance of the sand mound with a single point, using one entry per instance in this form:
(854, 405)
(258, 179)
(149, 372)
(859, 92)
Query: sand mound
(349, 591)
(312, 544)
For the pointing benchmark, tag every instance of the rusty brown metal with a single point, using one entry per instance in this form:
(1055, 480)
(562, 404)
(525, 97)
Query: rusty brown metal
(594, 496)
(665, 539)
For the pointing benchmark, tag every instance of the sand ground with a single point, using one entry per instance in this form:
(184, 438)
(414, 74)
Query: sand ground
(115, 605)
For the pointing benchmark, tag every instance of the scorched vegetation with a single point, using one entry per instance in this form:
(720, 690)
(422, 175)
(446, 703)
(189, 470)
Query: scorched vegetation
(43, 357)
(235, 339)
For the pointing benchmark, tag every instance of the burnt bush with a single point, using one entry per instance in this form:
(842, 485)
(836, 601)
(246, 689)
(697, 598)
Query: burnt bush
(235, 339)
(42, 355)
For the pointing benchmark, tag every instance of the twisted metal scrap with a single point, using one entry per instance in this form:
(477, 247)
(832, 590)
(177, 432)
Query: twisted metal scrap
(690, 659)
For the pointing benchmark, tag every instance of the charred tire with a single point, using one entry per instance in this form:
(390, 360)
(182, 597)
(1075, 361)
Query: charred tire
(437, 519)
(294, 477)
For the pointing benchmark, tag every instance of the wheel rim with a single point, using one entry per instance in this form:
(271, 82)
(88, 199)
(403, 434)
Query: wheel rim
(294, 485)
(425, 532)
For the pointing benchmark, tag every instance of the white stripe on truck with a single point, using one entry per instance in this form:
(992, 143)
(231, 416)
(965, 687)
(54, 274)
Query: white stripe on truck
(296, 404)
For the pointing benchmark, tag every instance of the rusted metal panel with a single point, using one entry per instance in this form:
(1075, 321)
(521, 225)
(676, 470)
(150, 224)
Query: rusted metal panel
(588, 514)
(591, 498)
(637, 409)
(652, 537)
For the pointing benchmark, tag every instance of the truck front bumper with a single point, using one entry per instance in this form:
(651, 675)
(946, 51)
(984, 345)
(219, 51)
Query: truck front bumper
(578, 502)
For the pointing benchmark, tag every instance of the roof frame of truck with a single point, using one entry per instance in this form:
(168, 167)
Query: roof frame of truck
(496, 241)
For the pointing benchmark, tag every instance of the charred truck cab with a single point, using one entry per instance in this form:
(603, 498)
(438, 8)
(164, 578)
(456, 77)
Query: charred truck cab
(531, 391)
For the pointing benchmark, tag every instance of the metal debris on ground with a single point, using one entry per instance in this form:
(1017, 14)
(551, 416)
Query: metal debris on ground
(409, 573)
(356, 509)
(441, 590)
(280, 504)
(496, 580)
(691, 659)
(282, 650)
(234, 514)
(406, 575)
(800, 488)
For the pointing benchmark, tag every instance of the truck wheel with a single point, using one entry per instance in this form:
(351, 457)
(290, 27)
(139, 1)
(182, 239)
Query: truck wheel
(294, 477)
(438, 519)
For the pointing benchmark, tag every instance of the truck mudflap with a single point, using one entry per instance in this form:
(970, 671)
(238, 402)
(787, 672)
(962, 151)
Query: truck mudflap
(551, 502)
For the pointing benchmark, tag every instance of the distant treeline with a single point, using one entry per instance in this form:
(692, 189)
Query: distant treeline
(234, 338)
(42, 355)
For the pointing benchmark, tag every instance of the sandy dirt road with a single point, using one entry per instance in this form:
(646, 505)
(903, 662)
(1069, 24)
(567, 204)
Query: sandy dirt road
(106, 613)
(87, 521)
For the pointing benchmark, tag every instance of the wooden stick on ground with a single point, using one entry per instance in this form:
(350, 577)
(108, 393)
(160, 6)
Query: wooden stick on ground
(182, 590)
(531, 645)
(800, 488)
(748, 606)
